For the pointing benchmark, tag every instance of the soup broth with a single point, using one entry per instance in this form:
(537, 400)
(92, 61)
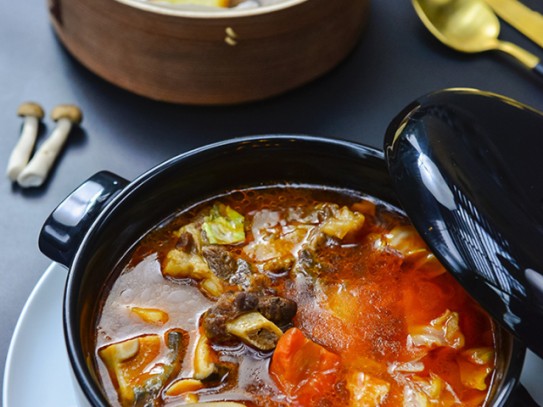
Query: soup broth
(290, 296)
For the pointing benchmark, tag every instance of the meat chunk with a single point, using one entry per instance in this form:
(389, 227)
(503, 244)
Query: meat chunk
(220, 261)
(214, 319)
(227, 267)
(277, 309)
(232, 305)
(246, 302)
(278, 265)
(255, 330)
(309, 263)
(185, 242)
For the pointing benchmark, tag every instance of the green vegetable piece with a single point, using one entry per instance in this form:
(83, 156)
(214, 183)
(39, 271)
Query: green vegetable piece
(146, 394)
(224, 225)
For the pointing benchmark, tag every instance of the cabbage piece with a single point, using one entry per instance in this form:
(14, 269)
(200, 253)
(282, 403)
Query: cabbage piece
(479, 356)
(411, 366)
(429, 391)
(277, 240)
(366, 390)
(473, 376)
(278, 243)
(341, 301)
(408, 242)
(431, 386)
(414, 398)
(366, 207)
(475, 366)
(442, 331)
(342, 222)
(224, 225)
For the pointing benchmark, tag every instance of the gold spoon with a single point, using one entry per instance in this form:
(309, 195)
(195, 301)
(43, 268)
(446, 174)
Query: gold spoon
(470, 26)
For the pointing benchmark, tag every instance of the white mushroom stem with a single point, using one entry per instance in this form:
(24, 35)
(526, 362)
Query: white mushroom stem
(23, 149)
(35, 173)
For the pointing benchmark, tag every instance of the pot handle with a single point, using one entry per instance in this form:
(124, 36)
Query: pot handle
(520, 397)
(63, 231)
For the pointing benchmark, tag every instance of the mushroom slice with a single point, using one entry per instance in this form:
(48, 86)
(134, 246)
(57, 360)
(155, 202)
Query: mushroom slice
(127, 360)
(212, 286)
(183, 386)
(180, 264)
(255, 330)
(204, 359)
(120, 352)
(151, 315)
(136, 366)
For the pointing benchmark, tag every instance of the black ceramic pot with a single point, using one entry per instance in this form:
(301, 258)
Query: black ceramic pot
(101, 220)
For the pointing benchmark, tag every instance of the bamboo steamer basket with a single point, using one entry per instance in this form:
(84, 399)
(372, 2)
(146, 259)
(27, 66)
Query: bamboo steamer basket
(208, 57)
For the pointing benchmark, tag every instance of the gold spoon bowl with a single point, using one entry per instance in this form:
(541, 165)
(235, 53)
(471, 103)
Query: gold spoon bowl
(470, 26)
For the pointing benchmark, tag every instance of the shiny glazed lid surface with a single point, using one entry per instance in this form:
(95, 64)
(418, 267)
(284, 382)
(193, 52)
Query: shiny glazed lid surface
(466, 166)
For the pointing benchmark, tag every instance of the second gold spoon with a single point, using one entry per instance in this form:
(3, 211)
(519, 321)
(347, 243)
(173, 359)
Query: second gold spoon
(470, 26)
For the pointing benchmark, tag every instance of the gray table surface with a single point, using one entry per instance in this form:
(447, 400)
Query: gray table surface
(395, 62)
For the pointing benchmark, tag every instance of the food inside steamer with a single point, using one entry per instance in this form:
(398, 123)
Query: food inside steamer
(236, 4)
(290, 296)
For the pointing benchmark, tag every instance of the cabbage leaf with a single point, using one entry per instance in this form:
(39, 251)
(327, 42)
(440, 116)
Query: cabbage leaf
(224, 225)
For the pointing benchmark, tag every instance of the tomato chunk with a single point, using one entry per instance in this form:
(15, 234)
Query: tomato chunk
(303, 370)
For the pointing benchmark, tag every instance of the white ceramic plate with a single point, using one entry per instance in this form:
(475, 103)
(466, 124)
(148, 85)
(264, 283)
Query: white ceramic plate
(37, 367)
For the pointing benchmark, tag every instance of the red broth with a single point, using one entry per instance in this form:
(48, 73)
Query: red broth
(290, 296)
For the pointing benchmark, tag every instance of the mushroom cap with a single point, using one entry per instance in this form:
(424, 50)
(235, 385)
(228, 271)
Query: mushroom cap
(70, 112)
(30, 109)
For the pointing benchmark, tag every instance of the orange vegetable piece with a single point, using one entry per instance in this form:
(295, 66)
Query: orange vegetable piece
(303, 370)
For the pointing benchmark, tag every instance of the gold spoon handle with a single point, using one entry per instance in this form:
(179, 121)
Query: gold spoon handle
(524, 57)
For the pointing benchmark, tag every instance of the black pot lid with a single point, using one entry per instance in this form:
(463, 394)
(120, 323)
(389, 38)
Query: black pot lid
(467, 167)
